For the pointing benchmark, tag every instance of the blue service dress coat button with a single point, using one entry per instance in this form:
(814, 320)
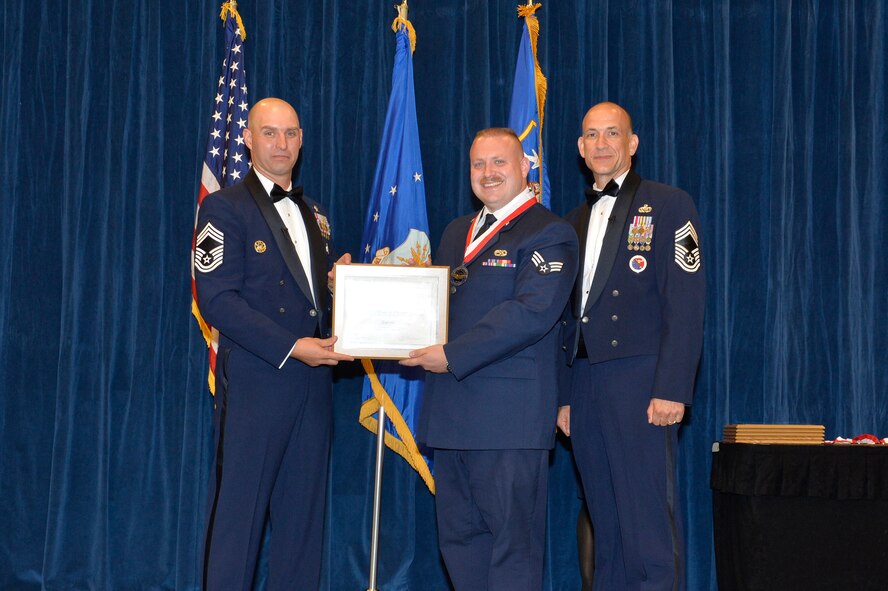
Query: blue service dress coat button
(282, 310)
(584, 320)
(281, 283)
(312, 312)
(614, 318)
(615, 292)
(614, 343)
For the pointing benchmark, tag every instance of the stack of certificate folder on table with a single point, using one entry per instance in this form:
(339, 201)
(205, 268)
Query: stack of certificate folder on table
(787, 434)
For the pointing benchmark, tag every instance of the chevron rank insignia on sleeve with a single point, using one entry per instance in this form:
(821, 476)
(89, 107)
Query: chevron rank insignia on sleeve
(543, 266)
(687, 250)
(208, 248)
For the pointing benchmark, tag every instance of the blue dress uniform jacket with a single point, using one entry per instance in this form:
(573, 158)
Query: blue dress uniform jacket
(503, 337)
(491, 419)
(649, 307)
(642, 331)
(273, 414)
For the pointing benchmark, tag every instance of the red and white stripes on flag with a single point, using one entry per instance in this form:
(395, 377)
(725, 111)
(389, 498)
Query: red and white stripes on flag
(226, 161)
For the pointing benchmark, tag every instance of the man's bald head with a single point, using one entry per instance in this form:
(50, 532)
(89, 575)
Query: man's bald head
(274, 138)
(607, 143)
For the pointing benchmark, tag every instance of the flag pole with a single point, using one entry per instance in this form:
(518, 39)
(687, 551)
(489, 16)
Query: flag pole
(380, 452)
(377, 497)
(386, 166)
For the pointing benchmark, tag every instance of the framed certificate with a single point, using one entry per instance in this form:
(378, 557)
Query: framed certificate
(386, 311)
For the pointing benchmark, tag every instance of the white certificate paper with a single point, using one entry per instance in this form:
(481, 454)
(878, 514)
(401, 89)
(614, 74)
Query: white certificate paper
(386, 311)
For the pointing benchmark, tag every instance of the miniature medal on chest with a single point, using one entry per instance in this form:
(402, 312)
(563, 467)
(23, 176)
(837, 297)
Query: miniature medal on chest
(641, 231)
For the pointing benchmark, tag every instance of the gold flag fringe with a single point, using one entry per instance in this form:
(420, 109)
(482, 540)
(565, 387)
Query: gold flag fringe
(399, 22)
(533, 27)
(231, 7)
(406, 447)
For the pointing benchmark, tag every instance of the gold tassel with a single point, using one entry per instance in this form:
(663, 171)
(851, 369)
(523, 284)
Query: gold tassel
(526, 10)
(533, 27)
(400, 21)
(231, 7)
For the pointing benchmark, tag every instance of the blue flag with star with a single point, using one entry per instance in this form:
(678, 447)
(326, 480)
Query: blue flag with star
(528, 103)
(396, 233)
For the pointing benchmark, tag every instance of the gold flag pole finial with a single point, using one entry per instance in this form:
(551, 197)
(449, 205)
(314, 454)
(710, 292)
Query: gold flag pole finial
(402, 20)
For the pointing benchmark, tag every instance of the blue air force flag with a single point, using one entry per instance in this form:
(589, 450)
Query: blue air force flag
(396, 232)
(528, 103)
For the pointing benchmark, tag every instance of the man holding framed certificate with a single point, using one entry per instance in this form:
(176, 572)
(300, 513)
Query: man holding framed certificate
(490, 401)
(261, 264)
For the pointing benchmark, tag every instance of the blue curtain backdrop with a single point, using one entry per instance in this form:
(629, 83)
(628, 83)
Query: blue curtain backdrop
(772, 113)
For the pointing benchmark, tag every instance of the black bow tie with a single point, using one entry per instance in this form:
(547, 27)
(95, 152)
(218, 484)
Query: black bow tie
(611, 188)
(277, 193)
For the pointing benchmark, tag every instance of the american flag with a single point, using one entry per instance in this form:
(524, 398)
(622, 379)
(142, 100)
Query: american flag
(226, 161)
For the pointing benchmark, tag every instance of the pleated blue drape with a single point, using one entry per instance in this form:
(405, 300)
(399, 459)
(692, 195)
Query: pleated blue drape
(771, 113)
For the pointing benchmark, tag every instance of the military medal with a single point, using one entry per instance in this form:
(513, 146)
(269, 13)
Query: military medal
(641, 233)
(460, 274)
(323, 223)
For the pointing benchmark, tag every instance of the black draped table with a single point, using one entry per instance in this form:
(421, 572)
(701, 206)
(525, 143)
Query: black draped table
(800, 517)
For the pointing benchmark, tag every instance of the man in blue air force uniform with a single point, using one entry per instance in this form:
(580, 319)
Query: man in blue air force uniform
(490, 400)
(262, 258)
(634, 333)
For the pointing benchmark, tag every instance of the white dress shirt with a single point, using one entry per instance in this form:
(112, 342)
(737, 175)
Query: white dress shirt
(598, 219)
(292, 218)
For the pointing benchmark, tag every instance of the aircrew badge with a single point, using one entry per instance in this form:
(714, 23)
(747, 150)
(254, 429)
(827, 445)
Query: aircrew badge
(208, 248)
(543, 266)
(323, 224)
(638, 263)
(259, 246)
(641, 232)
(645, 208)
(687, 249)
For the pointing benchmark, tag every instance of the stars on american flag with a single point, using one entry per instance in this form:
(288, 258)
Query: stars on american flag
(393, 190)
(417, 177)
(226, 154)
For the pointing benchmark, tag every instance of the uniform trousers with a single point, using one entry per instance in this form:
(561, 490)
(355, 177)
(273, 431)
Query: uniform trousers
(275, 445)
(628, 471)
(491, 509)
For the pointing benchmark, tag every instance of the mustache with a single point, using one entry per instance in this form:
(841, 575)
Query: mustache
(492, 177)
